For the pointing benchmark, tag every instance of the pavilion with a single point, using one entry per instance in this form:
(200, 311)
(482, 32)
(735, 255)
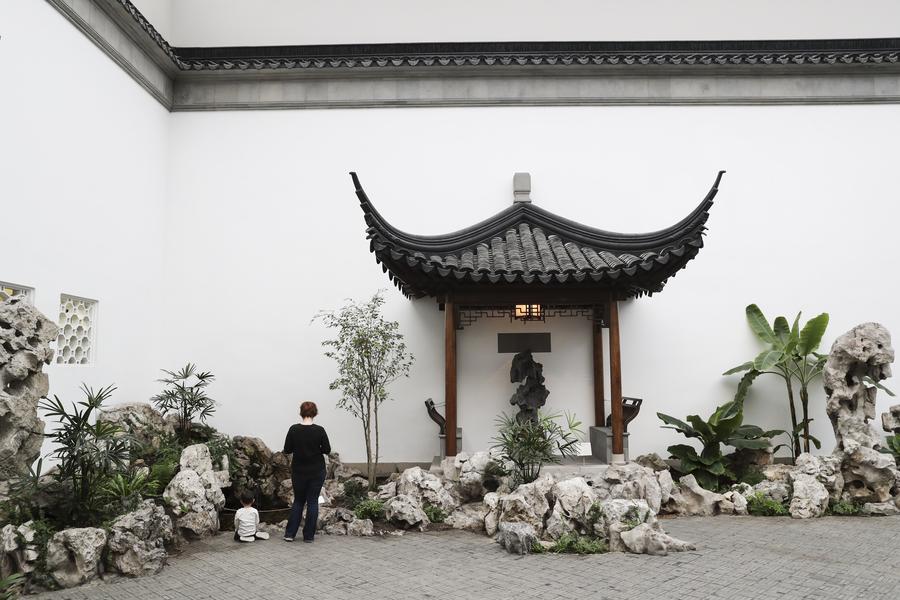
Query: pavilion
(526, 262)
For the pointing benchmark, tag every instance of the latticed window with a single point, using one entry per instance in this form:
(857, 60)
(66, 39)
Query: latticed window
(77, 325)
(8, 290)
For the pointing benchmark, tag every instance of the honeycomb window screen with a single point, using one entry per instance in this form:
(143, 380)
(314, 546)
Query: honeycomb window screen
(77, 326)
(8, 290)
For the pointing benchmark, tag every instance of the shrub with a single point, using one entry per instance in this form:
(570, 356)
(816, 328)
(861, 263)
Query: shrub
(124, 492)
(185, 395)
(370, 509)
(11, 587)
(571, 543)
(89, 453)
(843, 508)
(760, 505)
(162, 472)
(528, 445)
(435, 513)
(355, 492)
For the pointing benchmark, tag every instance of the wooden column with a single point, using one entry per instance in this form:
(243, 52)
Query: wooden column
(599, 392)
(450, 376)
(615, 376)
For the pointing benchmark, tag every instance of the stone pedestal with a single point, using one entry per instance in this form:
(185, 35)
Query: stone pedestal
(601, 444)
(442, 442)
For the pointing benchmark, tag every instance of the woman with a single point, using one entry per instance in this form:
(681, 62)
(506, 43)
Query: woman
(307, 443)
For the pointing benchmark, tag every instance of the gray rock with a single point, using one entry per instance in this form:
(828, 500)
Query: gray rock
(651, 539)
(492, 517)
(572, 502)
(629, 481)
(777, 472)
(361, 528)
(74, 555)
(517, 537)
(140, 420)
(773, 490)
(810, 498)
(469, 517)
(617, 516)
(197, 458)
(737, 500)
(195, 500)
(826, 470)
(880, 509)
(426, 488)
(405, 511)
(652, 461)
(137, 540)
(666, 486)
(890, 420)
(387, 491)
(691, 499)
(258, 469)
(18, 553)
(863, 353)
(25, 338)
(528, 503)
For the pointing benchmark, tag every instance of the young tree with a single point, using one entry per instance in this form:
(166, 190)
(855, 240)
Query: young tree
(370, 354)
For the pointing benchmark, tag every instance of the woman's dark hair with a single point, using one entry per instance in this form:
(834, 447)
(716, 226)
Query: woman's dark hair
(308, 410)
(247, 497)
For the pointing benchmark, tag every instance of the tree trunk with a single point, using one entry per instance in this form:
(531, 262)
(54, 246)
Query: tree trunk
(377, 451)
(804, 402)
(795, 442)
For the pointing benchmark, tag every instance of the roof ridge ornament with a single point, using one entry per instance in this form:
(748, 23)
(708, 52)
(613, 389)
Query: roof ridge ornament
(522, 188)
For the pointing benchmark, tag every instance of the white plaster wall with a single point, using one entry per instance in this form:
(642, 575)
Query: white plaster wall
(82, 187)
(263, 230)
(261, 22)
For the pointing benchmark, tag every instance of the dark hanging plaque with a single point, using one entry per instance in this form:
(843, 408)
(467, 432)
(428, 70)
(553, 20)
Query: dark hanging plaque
(519, 342)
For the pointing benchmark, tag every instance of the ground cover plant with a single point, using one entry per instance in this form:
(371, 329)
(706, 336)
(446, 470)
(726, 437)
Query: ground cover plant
(572, 543)
(791, 354)
(370, 353)
(760, 505)
(528, 445)
(370, 509)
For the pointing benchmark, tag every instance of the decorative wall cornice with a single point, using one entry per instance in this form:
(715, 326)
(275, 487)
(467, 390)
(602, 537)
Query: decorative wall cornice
(489, 73)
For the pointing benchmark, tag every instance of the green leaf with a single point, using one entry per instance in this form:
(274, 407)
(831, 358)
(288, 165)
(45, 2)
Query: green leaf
(782, 330)
(739, 368)
(874, 383)
(754, 444)
(760, 325)
(744, 386)
(701, 427)
(811, 334)
(678, 425)
(767, 359)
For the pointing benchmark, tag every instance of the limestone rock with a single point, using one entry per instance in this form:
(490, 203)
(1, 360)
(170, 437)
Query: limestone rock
(469, 517)
(335, 468)
(773, 490)
(691, 499)
(573, 499)
(74, 555)
(666, 486)
(880, 509)
(195, 500)
(652, 461)
(18, 553)
(137, 540)
(738, 502)
(826, 470)
(470, 474)
(517, 537)
(361, 528)
(492, 518)
(890, 421)
(629, 481)
(196, 458)
(387, 491)
(558, 524)
(332, 520)
(260, 470)
(618, 515)
(140, 420)
(861, 355)
(651, 539)
(777, 472)
(810, 498)
(528, 503)
(25, 338)
(425, 488)
(406, 512)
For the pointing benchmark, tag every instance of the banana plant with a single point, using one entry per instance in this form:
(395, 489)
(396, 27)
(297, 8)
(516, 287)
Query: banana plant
(724, 426)
(791, 354)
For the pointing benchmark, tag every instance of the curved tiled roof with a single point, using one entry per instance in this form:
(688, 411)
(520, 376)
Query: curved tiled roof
(527, 245)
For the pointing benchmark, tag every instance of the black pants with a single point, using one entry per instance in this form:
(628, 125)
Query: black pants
(306, 492)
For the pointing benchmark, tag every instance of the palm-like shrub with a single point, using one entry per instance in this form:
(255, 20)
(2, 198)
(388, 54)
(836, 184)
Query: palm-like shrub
(89, 453)
(185, 396)
(724, 426)
(528, 445)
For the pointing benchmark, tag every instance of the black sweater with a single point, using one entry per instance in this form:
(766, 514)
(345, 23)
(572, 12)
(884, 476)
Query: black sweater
(307, 444)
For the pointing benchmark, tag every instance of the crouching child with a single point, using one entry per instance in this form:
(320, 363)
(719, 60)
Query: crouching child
(246, 521)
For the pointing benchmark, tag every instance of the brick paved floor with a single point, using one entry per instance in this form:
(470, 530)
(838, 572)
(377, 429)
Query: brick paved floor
(739, 558)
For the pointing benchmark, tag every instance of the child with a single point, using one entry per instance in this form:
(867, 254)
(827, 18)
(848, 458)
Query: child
(246, 521)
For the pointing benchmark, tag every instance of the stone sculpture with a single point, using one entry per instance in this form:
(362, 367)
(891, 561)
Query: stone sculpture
(25, 337)
(531, 394)
(859, 358)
